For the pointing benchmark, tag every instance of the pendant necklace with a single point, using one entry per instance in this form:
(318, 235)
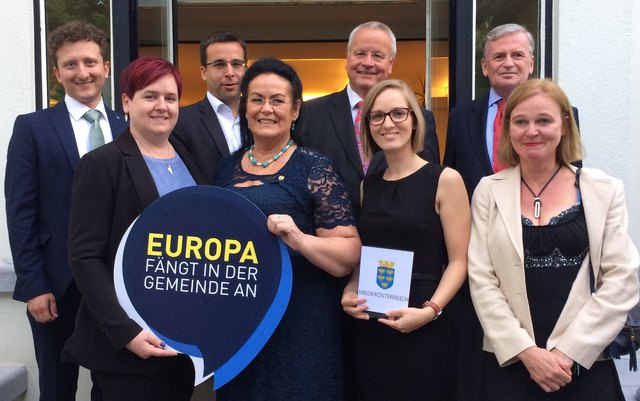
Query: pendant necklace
(537, 204)
(166, 161)
(273, 158)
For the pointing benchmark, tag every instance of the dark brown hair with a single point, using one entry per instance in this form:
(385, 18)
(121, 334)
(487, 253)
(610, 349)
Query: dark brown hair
(77, 31)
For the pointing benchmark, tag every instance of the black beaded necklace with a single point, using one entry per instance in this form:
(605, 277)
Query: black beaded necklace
(537, 204)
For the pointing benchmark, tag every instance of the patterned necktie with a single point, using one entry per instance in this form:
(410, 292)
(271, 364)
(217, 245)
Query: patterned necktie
(497, 132)
(96, 138)
(356, 127)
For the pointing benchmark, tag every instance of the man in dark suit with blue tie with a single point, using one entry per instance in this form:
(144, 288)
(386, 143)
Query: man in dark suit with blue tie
(210, 128)
(327, 123)
(43, 152)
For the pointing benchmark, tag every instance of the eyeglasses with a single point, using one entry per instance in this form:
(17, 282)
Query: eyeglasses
(397, 115)
(222, 64)
(361, 55)
(274, 101)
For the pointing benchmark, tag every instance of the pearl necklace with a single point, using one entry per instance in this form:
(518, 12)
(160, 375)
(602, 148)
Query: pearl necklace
(275, 157)
(537, 204)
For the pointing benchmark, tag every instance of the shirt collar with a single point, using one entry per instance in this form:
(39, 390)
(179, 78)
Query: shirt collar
(354, 98)
(77, 109)
(493, 97)
(216, 103)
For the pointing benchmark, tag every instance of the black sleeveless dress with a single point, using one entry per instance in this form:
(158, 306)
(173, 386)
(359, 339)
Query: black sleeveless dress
(553, 254)
(391, 365)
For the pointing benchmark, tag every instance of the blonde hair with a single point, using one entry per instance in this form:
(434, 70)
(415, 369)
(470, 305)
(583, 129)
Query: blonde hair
(369, 147)
(570, 148)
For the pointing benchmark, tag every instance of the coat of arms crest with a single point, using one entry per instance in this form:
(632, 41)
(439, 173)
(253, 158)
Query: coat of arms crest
(384, 278)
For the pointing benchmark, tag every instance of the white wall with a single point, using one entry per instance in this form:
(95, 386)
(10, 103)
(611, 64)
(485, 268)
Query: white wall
(18, 85)
(597, 54)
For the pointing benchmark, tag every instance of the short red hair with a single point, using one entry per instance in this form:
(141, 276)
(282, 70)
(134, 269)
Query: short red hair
(144, 71)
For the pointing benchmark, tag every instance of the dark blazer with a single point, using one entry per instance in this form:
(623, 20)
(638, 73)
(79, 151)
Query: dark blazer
(41, 160)
(466, 146)
(111, 188)
(326, 125)
(199, 131)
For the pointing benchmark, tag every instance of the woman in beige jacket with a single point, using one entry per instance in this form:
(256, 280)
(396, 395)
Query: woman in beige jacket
(539, 230)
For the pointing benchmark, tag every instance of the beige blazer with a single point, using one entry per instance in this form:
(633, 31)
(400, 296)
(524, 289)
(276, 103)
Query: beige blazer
(588, 322)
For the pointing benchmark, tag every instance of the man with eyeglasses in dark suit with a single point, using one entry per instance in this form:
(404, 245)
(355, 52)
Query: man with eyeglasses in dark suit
(210, 128)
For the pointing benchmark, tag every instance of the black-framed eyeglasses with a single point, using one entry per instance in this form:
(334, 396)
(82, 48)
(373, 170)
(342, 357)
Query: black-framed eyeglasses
(222, 64)
(397, 115)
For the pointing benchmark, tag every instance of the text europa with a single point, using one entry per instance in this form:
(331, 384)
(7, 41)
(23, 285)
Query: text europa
(192, 247)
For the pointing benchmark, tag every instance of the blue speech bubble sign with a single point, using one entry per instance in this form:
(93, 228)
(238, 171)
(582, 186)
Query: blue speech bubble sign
(200, 270)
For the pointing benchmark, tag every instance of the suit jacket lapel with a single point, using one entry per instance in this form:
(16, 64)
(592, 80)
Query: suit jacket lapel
(64, 132)
(140, 175)
(479, 134)
(340, 115)
(595, 195)
(188, 161)
(116, 122)
(210, 121)
(506, 192)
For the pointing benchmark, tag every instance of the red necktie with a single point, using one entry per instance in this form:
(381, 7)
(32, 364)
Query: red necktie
(497, 132)
(356, 127)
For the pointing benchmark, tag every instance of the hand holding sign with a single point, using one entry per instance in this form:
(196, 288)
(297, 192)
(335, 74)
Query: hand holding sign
(146, 345)
(200, 270)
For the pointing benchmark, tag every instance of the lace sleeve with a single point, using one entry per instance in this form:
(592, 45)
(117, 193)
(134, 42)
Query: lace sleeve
(332, 206)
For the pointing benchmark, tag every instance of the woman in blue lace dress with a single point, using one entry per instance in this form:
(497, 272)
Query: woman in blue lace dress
(308, 207)
(540, 230)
